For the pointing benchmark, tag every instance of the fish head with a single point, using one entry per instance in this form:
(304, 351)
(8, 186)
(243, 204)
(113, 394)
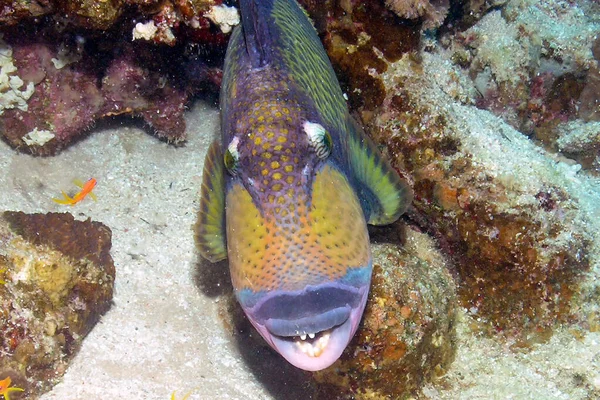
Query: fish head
(298, 247)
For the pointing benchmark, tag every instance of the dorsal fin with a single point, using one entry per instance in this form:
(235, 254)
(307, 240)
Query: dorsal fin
(256, 34)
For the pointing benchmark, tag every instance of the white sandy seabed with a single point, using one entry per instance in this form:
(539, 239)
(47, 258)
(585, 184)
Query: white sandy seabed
(163, 332)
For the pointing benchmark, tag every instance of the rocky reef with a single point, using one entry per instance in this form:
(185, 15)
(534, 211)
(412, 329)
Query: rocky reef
(533, 73)
(56, 281)
(493, 122)
(66, 65)
(489, 109)
(407, 336)
(505, 211)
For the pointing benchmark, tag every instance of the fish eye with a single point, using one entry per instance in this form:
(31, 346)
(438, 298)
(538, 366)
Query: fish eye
(319, 139)
(231, 159)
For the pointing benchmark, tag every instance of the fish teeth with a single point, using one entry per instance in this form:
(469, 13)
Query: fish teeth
(313, 349)
(303, 336)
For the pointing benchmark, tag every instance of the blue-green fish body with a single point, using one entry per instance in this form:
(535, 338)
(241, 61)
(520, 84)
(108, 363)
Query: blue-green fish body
(289, 190)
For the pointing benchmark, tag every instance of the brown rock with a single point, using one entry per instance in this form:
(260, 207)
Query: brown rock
(407, 335)
(56, 281)
(509, 218)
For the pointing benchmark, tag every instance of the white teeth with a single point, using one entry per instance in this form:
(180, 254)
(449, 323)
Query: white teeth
(313, 349)
(310, 335)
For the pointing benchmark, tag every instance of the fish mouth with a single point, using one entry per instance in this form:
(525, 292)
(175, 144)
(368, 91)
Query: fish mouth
(310, 328)
(314, 351)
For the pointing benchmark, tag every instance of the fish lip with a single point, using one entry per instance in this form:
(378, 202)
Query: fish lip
(312, 324)
(340, 335)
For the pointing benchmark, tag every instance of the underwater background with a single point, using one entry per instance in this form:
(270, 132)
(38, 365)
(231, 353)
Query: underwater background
(488, 288)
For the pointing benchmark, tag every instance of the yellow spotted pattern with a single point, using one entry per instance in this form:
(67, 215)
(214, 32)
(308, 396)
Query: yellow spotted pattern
(305, 245)
(273, 146)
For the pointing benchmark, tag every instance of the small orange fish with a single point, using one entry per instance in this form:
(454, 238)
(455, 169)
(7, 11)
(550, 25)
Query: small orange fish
(86, 188)
(5, 388)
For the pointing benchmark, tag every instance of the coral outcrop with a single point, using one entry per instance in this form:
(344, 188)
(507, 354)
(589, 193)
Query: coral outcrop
(167, 16)
(407, 336)
(507, 213)
(580, 141)
(56, 83)
(56, 281)
(517, 230)
(529, 68)
(432, 12)
(357, 36)
(68, 90)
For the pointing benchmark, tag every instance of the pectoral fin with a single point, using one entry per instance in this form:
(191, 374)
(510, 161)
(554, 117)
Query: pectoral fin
(386, 195)
(210, 228)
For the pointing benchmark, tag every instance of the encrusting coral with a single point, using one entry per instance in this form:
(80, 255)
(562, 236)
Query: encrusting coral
(56, 84)
(103, 15)
(407, 336)
(356, 36)
(532, 70)
(73, 91)
(517, 233)
(56, 282)
(432, 12)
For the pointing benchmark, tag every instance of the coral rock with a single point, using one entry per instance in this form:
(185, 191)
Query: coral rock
(530, 68)
(167, 16)
(510, 218)
(62, 73)
(69, 97)
(407, 335)
(581, 142)
(432, 12)
(15, 11)
(56, 281)
(357, 38)
(91, 13)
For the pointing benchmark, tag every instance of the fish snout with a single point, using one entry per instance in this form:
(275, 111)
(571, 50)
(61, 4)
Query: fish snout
(310, 328)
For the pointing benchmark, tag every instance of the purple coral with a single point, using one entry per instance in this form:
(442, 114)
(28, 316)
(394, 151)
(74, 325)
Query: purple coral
(67, 79)
(74, 88)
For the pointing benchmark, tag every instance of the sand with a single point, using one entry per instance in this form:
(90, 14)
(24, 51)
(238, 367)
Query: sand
(164, 333)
